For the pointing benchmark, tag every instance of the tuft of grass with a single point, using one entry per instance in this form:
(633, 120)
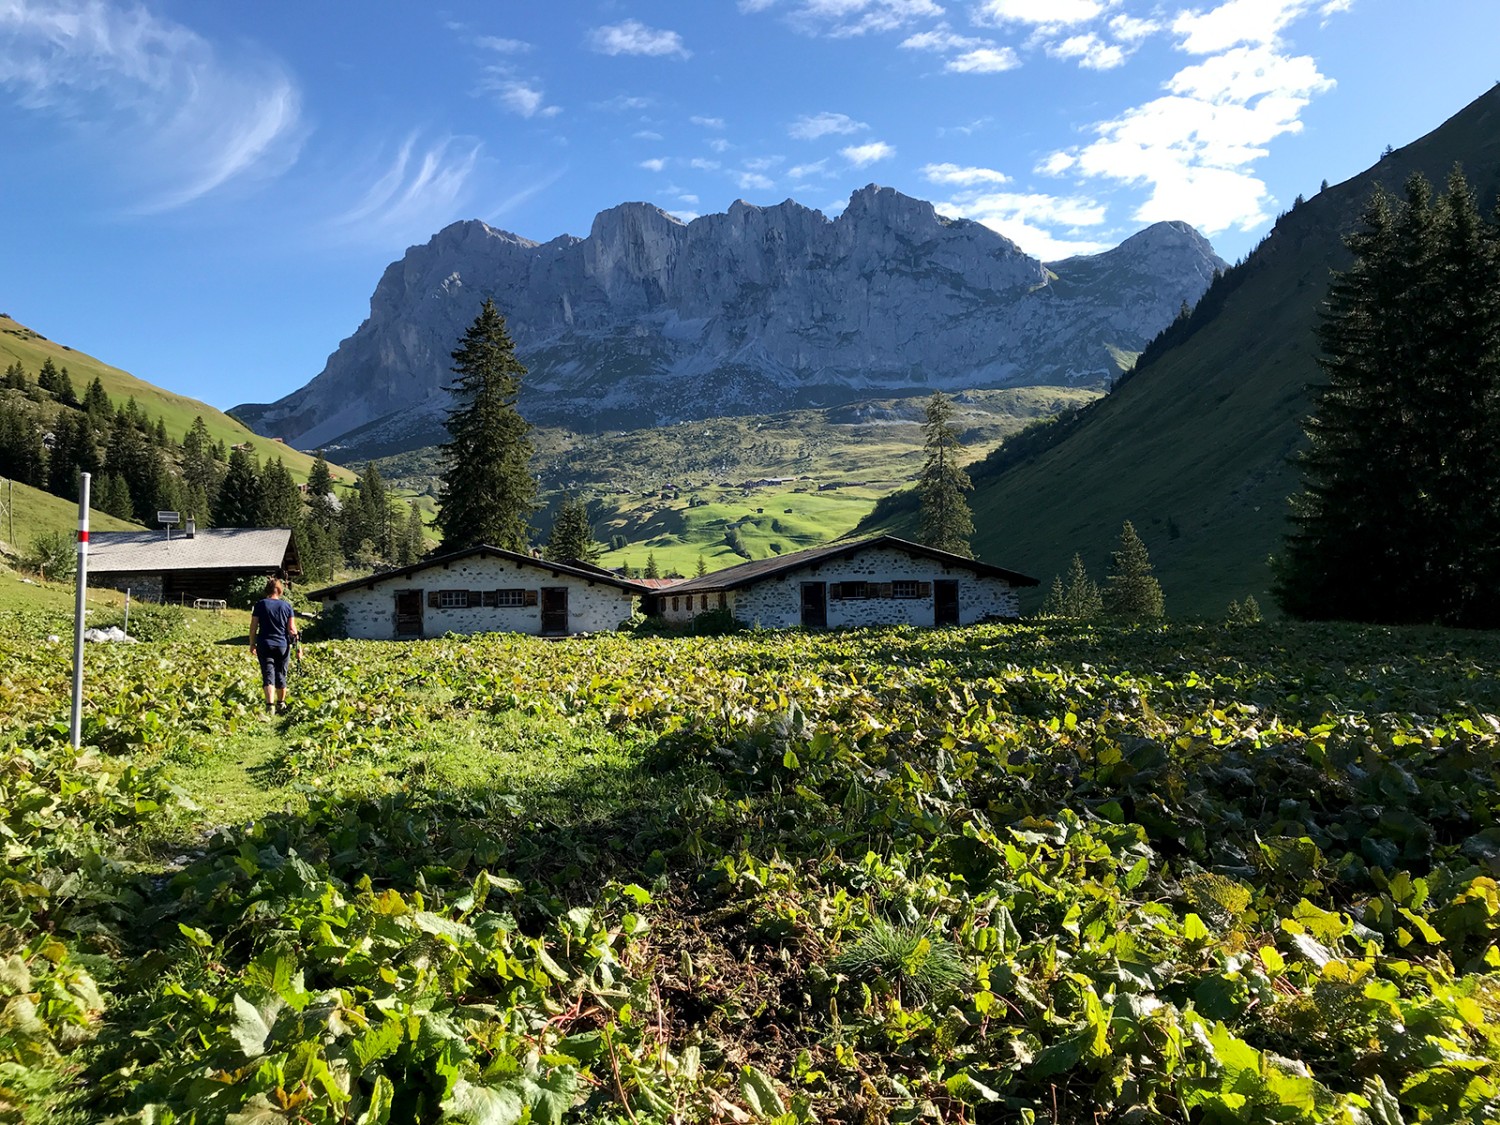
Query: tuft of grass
(915, 960)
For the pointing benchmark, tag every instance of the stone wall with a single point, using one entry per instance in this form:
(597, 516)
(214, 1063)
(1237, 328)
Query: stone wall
(142, 587)
(776, 602)
(592, 607)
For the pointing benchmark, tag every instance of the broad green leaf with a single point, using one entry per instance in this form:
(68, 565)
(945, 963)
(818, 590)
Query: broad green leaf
(760, 1092)
(483, 1105)
(252, 1026)
(378, 1111)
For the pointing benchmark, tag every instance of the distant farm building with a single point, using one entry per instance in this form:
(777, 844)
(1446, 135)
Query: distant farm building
(191, 564)
(880, 581)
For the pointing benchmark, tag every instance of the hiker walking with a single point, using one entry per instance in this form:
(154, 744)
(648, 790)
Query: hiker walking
(273, 632)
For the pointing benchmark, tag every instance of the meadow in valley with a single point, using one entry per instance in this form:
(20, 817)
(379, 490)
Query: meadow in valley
(1038, 872)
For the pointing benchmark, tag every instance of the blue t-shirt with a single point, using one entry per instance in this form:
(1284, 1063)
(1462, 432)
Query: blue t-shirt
(275, 618)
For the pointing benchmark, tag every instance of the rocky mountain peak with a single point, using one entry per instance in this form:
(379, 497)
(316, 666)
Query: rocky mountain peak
(650, 320)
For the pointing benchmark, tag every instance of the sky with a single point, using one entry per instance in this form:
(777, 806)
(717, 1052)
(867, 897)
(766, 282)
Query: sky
(206, 194)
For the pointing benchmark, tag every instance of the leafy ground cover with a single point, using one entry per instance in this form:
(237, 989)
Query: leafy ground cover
(1025, 873)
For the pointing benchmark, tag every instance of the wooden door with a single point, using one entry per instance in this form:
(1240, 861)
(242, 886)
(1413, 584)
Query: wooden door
(815, 605)
(945, 602)
(408, 613)
(554, 610)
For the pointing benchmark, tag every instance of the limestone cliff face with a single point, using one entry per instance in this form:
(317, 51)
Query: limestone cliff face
(649, 320)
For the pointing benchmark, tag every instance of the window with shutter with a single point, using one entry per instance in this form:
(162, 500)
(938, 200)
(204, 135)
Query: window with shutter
(510, 598)
(887, 589)
(905, 589)
(835, 591)
(433, 599)
(924, 589)
(454, 599)
(530, 597)
(723, 600)
(476, 599)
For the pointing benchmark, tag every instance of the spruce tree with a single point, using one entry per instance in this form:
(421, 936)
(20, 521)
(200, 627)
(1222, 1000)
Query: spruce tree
(113, 496)
(413, 543)
(96, 403)
(49, 378)
(279, 503)
(652, 570)
(1081, 598)
(572, 535)
(22, 455)
(488, 493)
(1133, 593)
(200, 472)
(946, 521)
(238, 501)
(15, 377)
(65, 393)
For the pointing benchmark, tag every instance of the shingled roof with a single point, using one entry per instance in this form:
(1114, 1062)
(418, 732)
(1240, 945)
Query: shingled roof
(574, 568)
(735, 577)
(252, 549)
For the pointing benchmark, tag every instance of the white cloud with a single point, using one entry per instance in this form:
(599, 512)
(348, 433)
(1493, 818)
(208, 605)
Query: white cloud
(624, 103)
(1091, 52)
(150, 98)
(655, 164)
(845, 18)
(764, 163)
(634, 38)
(504, 46)
(719, 144)
(519, 97)
(1194, 146)
(688, 198)
(707, 122)
(942, 39)
(1129, 29)
(1025, 219)
(704, 165)
(809, 127)
(1041, 11)
(804, 171)
(961, 176)
(683, 216)
(1254, 22)
(753, 181)
(647, 135)
(862, 155)
(417, 190)
(984, 60)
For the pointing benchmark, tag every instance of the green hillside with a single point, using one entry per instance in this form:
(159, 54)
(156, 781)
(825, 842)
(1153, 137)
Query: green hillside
(31, 349)
(1195, 447)
(678, 491)
(27, 512)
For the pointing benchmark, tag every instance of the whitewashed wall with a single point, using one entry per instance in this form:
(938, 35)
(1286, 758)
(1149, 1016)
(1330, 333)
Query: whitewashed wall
(776, 602)
(591, 608)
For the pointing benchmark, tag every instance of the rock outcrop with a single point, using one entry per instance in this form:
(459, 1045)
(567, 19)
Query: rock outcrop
(650, 320)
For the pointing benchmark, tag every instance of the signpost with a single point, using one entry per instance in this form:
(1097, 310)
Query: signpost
(79, 608)
(169, 520)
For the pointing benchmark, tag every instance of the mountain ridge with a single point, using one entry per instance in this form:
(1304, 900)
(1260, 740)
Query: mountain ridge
(650, 320)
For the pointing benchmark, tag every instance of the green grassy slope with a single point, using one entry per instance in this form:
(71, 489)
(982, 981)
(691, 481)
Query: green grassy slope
(32, 512)
(17, 342)
(642, 484)
(1195, 448)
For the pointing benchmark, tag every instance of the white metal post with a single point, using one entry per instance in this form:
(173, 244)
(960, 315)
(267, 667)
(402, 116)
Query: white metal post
(80, 607)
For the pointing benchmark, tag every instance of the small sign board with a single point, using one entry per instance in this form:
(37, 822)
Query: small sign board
(168, 518)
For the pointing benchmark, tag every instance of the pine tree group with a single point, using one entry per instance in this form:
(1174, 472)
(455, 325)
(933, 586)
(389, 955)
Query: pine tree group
(1398, 519)
(1077, 598)
(1133, 593)
(488, 493)
(946, 522)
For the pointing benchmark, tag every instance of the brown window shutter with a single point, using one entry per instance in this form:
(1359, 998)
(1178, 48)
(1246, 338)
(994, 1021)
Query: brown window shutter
(476, 599)
(924, 589)
(531, 597)
(835, 591)
(723, 600)
(434, 599)
(887, 590)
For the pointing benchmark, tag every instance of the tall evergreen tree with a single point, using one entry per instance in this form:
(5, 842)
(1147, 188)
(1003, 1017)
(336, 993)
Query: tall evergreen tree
(200, 472)
(946, 521)
(65, 393)
(22, 455)
(1133, 593)
(73, 452)
(413, 539)
(488, 493)
(96, 403)
(15, 377)
(238, 501)
(652, 570)
(49, 378)
(1398, 518)
(112, 495)
(572, 534)
(1076, 597)
(279, 503)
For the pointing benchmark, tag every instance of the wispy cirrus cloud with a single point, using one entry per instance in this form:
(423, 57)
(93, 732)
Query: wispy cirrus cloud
(632, 37)
(842, 19)
(522, 97)
(418, 188)
(861, 156)
(984, 60)
(809, 127)
(504, 46)
(173, 118)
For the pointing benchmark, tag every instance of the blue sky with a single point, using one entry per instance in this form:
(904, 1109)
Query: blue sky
(206, 193)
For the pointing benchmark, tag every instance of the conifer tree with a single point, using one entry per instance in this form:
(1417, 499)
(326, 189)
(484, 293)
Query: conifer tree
(279, 503)
(65, 393)
(488, 493)
(1078, 597)
(572, 535)
(946, 521)
(113, 496)
(238, 501)
(15, 377)
(702, 567)
(22, 455)
(413, 544)
(49, 378)
(96, 403)
(200, 472)
(1133, 593)
(652, 570)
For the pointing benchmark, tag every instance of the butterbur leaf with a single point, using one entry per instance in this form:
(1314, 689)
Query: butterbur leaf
(760, 1093)
(195, 936)
(378, 1111)
(253, 1025)
(259, 1110)
(1314, 950)
(1383, 1109)
(553, 1096)
(439, 926)
(483, 1105)
(966, 1088)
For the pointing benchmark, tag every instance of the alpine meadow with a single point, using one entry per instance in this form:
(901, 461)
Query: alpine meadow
(795, 562)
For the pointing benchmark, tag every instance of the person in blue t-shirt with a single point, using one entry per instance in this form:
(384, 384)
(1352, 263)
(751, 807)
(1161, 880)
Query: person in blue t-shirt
(273, 633)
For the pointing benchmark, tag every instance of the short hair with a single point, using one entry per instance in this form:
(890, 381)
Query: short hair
(273, 587)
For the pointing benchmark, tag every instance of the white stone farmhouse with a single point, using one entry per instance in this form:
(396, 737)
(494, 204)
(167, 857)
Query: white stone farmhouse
(879, 581)
(482, 590)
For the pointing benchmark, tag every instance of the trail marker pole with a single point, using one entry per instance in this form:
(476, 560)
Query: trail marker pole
(79, 608)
